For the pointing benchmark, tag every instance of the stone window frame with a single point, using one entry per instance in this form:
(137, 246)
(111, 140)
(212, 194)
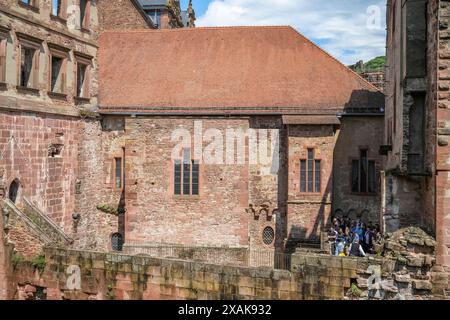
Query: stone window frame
(314, 192)
(114, 173)
(29, 42)
(192, 160)
(86, 19)
(63, 53)
(81, 58)
(33, 5)
(4, 35)
(370, 158)
(62, 14)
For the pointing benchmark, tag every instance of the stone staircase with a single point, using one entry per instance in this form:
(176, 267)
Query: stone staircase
(37, 221)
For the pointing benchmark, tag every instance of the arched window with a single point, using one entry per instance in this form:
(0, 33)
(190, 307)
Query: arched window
(117, 242)
(14, 190)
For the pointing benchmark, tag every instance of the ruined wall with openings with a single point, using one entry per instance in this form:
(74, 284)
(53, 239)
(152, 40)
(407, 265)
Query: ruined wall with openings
(356, 134)
(60, 154)
(443, 131)
(410, 116)
(23, 22)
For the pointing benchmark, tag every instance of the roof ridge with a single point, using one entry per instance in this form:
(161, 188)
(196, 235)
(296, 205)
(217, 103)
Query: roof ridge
(196, 29)
(335, 59)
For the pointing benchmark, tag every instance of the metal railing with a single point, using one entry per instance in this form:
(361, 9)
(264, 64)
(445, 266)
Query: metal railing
(239, 256)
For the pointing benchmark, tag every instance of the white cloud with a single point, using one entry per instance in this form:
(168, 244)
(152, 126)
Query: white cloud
(339, 26)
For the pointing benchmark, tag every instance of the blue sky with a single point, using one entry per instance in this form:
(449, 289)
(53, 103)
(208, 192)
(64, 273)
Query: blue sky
(349, 30)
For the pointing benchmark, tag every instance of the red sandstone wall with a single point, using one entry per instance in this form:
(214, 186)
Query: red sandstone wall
(154, 214)
(3, 264)
(74, 183)
(443, 140)
(46, 181)
(95, 184)
(357, 133)
(268, 186)
(309, 213)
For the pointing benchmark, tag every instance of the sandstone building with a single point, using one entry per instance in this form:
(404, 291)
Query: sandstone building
(83, 169)
(49, 85)
(238, 204)
(233, 139)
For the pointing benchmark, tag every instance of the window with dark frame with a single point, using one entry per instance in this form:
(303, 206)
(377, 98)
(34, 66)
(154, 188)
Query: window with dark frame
(186, 175)
(84, 13)
(57, 82)
(310, 173)
(27, 65)
(363, 174)
(31, 3)
(3, 42)
(58, 8)
(82, 70)
(118, 173)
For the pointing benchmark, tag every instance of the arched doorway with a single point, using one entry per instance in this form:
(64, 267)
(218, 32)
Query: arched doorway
(14, 190)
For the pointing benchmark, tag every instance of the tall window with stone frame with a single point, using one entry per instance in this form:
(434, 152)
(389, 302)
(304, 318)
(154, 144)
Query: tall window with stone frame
(59, 8)
(85, 9)
(363, 173)
(118, 173)
(3, 42)
(58, 70)
(83, 67)
(31, 3)
(186, 175)
(310, 173)
(29, 63)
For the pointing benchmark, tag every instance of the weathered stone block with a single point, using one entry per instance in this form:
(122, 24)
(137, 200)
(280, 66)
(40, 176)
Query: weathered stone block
(422, 285)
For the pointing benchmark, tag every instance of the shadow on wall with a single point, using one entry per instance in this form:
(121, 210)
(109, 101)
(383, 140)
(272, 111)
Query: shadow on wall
(360, 102)
(364, 100)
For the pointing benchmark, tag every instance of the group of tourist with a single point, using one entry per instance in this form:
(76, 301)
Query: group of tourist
(353, 238)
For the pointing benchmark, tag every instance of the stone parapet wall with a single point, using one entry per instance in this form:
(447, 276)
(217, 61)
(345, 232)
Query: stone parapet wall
(106, 276)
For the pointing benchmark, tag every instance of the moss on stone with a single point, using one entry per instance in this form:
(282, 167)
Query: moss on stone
(108, 209)
(354, 291)
(39, 263)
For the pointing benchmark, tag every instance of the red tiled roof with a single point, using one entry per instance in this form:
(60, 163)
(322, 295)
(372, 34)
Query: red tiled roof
(238, 69)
